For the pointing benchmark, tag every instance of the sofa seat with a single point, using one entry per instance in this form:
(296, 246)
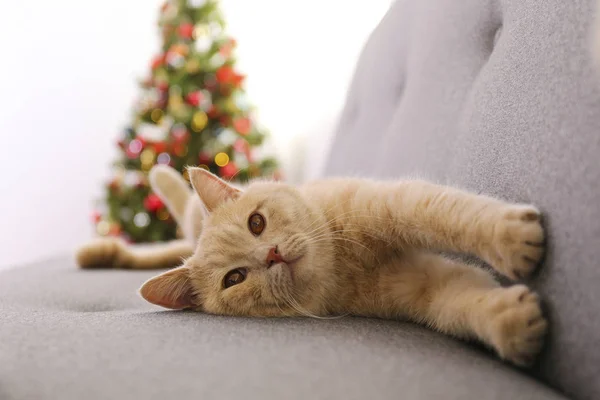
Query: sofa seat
(67, 333)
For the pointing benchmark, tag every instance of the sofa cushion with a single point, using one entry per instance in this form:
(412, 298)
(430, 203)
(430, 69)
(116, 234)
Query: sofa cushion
(499, 97)
(72, 334)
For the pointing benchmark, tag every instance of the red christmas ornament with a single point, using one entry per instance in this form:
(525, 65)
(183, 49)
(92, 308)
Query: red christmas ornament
(163, 86)
(213, 112)
(237, 80)
(194, 98)
(226, 75)
(159, 147)
(242, 125)
(179, 149)
(158, 61)
(96, 217)
(204, 157)
(225, 120)
(229, 170)
(242, 146)
(115, 230)
(186, 31)
(153, 203)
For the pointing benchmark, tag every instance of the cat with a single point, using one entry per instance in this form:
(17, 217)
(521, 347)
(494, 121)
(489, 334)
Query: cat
(345, 247)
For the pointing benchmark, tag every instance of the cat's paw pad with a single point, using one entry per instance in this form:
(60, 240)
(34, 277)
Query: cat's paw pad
(517, 327)
(100, 253)
(517, 241)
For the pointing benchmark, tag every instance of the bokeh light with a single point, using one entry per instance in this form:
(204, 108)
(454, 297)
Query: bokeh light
(103, 228)
(141, 220)
(135, 146)
(163, 158)
(156, 115)
(221, 159)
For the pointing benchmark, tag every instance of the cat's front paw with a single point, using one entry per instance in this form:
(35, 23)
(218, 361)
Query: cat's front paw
(517, 244)
(516, 326)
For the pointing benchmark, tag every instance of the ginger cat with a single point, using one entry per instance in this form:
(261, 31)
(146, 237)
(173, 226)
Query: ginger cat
(345, 246)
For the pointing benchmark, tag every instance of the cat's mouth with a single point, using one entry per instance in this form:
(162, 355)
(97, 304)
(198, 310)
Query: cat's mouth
(290, 265)
(290, 262)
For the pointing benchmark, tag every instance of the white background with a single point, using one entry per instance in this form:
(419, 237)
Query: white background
(68, 75)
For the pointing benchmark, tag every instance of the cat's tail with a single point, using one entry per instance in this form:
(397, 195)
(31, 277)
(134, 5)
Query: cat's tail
(115, 253)
(173, 190)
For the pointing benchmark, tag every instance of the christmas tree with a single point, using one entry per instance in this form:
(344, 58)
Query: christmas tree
(192, 110)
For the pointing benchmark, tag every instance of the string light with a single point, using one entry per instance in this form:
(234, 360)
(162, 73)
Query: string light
(162, 214)
(192, 66)
(201, 30)
(141, 220)
(147, 157)
(135, 146)
(103, 228)
(199, 121)
(163, 158)
(156, 115)
(221, 159)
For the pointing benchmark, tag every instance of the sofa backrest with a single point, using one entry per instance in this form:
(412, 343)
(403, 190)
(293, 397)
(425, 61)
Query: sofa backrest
(500, 97)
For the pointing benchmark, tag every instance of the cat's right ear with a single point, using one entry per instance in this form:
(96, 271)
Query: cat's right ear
(213, 191)
(171, 289)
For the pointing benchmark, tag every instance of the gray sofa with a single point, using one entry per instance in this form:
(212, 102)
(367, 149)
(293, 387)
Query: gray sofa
(497, 96)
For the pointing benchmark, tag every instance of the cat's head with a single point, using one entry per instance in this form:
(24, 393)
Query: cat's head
(263, 251)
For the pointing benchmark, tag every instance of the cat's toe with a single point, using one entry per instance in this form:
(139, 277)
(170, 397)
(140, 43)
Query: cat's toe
(517, 325)
(518, 242)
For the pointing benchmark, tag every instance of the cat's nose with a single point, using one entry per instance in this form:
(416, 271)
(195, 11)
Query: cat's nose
(274, 257)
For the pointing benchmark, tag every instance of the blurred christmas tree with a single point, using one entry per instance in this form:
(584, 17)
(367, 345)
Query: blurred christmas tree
(192, 111)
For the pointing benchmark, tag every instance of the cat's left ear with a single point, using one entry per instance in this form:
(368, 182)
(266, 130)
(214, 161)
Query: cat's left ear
(171, 289)
(213, 191)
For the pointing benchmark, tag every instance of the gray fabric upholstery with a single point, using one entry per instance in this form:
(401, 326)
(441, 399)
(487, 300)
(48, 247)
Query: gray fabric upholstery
(500, 97)
(70, 334)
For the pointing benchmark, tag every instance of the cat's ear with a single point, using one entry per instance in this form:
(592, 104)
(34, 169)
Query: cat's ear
(212, 190)
(171, 289)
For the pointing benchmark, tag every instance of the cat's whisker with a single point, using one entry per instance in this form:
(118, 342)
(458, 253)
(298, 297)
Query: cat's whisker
(339, 216)
(377, 238)
(351, 241)
(348, 217)
(387, 242)
(296, 306)
(329, 210)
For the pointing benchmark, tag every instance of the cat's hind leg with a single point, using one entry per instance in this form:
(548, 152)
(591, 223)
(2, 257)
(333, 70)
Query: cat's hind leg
(466, 302)
(114, 253)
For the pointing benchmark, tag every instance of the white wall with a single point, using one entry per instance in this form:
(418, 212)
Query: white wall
(67, 78)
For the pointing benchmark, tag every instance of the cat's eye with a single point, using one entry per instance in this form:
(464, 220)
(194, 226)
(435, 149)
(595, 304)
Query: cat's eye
(256, 224)
(234, 277)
